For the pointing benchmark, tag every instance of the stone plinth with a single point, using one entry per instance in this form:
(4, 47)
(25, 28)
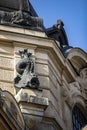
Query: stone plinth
(32, 106)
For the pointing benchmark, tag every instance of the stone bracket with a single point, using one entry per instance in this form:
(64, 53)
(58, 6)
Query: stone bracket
(32, 107)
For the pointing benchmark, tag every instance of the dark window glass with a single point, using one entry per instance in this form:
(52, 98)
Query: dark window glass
(78, 119)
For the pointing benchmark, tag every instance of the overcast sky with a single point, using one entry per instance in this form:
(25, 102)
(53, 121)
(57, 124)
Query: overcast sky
(72, 12)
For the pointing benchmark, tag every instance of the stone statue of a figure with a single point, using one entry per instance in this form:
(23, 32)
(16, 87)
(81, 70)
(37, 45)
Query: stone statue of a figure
(25, 69)
(19, 13)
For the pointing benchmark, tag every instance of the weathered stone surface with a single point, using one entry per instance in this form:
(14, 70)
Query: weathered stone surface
(18, 13)
(42, 69)
(23, 95)
(44, 81)
(11, 110)
(6, 75)
(45, 126)
(33, 108)
(7, 86)
(53, 77)
(6, 49)
(15, 5)
(54, 73)
(7, 63)
(25, 68)
(48, 94)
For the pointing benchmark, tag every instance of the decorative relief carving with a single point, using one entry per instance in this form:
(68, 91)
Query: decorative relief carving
(25, 68)
(11, 109)
(83, 73)
(83, 81)
(75, 94)
(75, 88)
(6, 63)
(72, 94)
(66, 96)
(18, 13)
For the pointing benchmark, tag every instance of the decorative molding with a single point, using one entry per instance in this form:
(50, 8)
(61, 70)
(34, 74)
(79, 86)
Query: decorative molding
(32, 107)
(20, 18)
(10, 107)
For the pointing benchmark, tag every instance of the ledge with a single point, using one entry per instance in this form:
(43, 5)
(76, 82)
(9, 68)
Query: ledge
(22, 31)
(32, 107)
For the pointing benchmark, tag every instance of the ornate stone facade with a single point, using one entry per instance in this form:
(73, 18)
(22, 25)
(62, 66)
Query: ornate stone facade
(19, 13)
(62, 76)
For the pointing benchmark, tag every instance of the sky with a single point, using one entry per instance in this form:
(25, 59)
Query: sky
(73, 13)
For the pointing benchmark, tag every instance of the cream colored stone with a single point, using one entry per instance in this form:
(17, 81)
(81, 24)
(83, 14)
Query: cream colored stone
(85, 128)
(8, 87)
(53, 78)
(6, 75)
(56, 75)
(53, 70)
(41, 55)
(42, 69)
(21, 46)
(23, 31)
(33, 108)
(33, 92)
(76, 52)
(10, 111)
(7, 63)
(67, 116)
(27, 39)
(54, 89)
(48, 94)
(6, 48)
(75, 88)
(35, 33)
(51, 112)
(44, 81)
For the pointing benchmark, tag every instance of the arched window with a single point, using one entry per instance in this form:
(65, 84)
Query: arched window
(78, 119)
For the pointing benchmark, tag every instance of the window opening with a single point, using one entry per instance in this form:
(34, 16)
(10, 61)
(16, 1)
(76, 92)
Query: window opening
(78, 119)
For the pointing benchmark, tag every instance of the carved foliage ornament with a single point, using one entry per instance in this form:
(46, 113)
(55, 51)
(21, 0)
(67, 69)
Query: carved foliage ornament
(25, 69)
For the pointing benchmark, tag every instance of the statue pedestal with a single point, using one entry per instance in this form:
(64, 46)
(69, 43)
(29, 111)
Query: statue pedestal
(32, 106)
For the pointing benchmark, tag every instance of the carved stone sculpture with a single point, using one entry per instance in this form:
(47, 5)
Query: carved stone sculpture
(25, 68)
(19, 13)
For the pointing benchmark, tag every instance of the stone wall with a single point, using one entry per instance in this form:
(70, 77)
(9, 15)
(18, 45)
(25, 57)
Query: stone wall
(6, 67)
(60, 85)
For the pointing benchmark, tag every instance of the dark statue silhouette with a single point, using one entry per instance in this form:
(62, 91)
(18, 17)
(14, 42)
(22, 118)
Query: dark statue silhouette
(25, 69)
